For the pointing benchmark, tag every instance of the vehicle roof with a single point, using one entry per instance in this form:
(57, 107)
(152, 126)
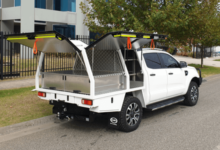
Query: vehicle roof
(155, 50)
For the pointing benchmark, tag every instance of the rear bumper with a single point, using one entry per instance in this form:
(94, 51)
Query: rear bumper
(70, 111)
(109, 103)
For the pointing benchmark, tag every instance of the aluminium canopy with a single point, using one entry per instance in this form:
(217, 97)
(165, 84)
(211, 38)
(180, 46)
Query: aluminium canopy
(118, 40)
(47, 42)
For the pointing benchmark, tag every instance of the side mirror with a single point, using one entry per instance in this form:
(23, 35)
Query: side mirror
(183, 64)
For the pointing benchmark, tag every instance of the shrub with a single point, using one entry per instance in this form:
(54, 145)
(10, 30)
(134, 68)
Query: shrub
(190, 54)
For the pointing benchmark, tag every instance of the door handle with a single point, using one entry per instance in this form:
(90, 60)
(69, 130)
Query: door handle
(171, 73)
(152, 74)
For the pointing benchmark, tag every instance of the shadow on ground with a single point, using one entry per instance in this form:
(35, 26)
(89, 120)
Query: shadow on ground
(101, 121)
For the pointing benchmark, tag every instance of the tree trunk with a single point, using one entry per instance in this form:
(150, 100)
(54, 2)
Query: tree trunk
(202, 50)
(194, 49)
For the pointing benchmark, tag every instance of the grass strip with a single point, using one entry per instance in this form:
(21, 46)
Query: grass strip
(19, 105)
(207, 70)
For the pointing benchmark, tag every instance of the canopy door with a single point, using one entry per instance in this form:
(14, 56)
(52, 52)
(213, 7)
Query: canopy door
(46, 42)
(118, 40)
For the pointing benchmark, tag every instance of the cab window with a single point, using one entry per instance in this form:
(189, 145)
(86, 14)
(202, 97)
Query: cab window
(168, 61)
(152, 60)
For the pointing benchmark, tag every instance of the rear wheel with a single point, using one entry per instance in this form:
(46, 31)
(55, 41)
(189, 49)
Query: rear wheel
(192, 95)
(131, 114)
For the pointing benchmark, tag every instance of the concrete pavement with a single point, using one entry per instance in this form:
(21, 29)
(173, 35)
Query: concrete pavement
(13, 84)
(206, 61)
(177, 127)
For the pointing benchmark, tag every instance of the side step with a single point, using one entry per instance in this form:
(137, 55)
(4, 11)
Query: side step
(165, 103)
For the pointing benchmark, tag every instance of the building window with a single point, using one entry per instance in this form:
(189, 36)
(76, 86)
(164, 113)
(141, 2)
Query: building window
(0, 3)
(66, 30)
(39, 28)
(17, 2)
(65, 5)
(40, 4)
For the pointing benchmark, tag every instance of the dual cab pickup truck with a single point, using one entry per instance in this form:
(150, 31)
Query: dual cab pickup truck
(114, 75)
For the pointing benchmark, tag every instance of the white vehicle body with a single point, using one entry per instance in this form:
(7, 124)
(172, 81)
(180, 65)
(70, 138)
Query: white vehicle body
(108, 91)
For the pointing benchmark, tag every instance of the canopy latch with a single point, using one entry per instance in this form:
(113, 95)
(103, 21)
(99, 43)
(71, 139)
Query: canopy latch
(129, 45)
(35, 45)
(152, 45)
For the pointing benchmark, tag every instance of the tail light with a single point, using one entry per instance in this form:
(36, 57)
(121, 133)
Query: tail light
(42, 94)
(86, 102)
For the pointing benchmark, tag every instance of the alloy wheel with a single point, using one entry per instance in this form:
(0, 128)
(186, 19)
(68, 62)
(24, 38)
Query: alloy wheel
(132, 114)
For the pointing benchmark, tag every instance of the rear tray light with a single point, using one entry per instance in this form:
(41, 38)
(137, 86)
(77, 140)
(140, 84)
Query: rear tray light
(42, 94)
(86, 102)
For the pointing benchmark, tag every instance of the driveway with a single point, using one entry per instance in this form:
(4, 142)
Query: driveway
(207, 61)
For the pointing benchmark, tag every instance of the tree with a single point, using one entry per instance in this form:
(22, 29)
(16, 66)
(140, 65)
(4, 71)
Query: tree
(185, 21)
(139, 15)
(204, 26)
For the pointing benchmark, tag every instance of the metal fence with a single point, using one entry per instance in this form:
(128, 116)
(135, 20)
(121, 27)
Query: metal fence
(215, 54)
(208, 52)
(18, 61)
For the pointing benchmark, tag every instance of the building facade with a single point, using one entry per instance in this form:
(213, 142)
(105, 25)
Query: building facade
(63, 16)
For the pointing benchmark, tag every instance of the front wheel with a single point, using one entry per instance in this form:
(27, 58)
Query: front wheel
(131, 114)
(192, 95)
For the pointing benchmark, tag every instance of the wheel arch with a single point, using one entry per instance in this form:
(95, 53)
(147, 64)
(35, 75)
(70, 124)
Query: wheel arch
(195, 79)
(189, 80)
(139, 95)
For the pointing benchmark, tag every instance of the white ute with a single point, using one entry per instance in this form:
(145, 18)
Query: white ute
(114, 75)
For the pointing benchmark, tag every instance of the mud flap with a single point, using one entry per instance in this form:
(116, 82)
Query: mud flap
(114, 120)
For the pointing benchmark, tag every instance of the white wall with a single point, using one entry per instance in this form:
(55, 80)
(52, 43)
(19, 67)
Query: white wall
(217, 48)
(27, 23)
(27, 15)
(55, 16)
(11, 13)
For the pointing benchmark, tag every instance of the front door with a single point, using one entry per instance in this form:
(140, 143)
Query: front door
(157, 77)
(176, 76)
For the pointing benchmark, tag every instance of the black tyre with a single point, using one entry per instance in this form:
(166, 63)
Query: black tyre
(131, 114)
(192, 95)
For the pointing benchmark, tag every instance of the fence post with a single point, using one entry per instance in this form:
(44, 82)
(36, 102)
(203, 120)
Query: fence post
(1, 52)
(196, 51)
(77, 37)
(11, 59)
(193, 51)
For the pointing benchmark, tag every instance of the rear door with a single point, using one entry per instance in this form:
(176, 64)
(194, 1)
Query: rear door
(157, 77)
(176, 75)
